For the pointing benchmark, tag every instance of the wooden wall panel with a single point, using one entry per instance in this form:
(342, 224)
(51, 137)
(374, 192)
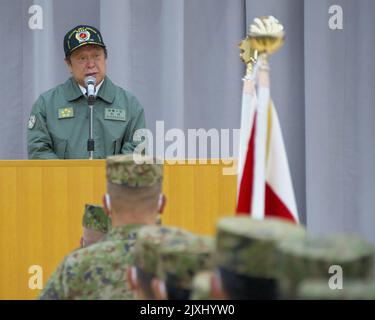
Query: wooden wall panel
(42, 202)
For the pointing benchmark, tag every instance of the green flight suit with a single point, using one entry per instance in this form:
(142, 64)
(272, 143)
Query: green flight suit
(58, 127)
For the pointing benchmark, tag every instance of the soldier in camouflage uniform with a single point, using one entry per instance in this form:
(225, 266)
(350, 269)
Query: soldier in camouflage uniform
(312, 258)
(246, 256)
(144, 270)
(165, 261)
(95, 223)
(99, 271)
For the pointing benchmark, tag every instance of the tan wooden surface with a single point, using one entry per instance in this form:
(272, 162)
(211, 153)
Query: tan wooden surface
(42, 202)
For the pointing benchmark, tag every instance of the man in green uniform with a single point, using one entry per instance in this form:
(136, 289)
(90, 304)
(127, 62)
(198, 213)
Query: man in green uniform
(99, 270)
(58, 127)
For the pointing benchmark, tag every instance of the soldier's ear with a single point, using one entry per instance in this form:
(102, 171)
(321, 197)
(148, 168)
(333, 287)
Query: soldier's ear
(161, 203)
(132, 278)
(217, 291)
(107, 204)
(159, 290)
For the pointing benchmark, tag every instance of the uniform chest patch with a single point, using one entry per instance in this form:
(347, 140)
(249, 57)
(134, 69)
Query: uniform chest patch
(32, 121)
(114, 114)
(65, 112)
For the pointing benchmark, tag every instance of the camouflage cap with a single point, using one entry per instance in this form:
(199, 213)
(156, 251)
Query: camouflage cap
(201, 288)
(312, 257)
(181, 258)
(129, 171)
(248, 247)
(351, 290)
(94, 218)
(149, 240)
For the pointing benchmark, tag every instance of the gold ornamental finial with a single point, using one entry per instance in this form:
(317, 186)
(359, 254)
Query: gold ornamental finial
(248, 55)
(266, 35)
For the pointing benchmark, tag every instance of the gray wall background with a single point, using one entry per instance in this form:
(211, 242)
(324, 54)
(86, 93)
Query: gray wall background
(180, 58)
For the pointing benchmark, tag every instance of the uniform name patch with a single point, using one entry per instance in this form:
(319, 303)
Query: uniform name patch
(65, 112)
(114, 114)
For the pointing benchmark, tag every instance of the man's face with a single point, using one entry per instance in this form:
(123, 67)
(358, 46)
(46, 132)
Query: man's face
(87, 61)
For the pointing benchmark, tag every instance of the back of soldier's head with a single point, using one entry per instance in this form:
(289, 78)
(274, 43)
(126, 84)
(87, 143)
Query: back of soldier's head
(134, 184)
(246, 255)
(149, 241)
(180, 260)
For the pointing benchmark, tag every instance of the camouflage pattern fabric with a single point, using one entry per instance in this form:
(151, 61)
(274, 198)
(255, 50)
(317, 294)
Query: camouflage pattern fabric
(124, 170)
(94, 218)
(312, 257)
(149, 241)
(201, 288)
(248, 247)
(95, 272)
(181, 258)
(351, 290)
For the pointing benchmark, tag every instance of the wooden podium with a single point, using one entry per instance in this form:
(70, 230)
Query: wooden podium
(42, 203)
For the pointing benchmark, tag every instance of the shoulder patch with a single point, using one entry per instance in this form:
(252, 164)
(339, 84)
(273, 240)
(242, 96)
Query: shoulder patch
(65, 112)
(32, 121)
(114, 114)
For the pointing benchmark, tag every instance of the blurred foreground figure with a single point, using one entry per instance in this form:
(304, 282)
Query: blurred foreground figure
(246, 256)
(165, 262)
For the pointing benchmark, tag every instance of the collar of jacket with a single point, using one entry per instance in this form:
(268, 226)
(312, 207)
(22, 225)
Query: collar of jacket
(126, 232)
(106, 92)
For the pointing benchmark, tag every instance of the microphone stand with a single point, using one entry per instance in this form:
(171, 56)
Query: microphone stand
(90, 141)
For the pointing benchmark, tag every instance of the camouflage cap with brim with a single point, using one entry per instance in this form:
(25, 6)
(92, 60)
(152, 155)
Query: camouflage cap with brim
(351, 290)
(134, 171)
(94, 218)
(149, 240)
(248, 247)
(181, 258)
(312, 257)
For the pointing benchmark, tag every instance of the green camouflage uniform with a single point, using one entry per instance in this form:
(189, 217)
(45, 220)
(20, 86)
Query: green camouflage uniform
(99, 271)
(312, 257)
(96, 272)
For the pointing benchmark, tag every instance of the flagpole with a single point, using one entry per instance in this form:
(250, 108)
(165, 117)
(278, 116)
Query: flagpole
(249, 101)
(264, 181)
(259, 185)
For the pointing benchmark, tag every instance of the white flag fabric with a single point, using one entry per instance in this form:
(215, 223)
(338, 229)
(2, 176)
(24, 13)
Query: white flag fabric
(264, 181)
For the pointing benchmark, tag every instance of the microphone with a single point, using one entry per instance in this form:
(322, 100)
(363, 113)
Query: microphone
(90, 82)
